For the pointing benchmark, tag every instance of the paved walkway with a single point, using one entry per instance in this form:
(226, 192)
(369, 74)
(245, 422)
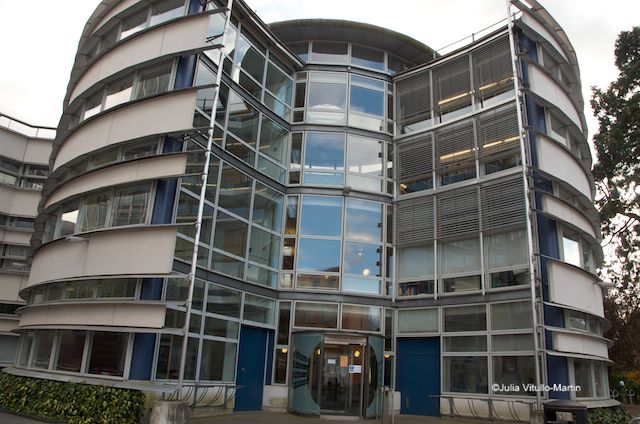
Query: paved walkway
(261, 417)
(7, 418)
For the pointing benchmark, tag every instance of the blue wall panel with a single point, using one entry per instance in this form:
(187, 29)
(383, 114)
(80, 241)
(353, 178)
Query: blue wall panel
(418, 375)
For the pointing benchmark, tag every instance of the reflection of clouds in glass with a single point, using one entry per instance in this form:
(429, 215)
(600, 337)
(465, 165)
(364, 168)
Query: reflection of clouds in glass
(362, 259)
(364, 220)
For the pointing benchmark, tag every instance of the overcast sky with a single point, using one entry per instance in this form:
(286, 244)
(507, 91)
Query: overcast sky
(38, 39)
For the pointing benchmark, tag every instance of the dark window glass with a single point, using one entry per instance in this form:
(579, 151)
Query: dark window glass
(279, 84)
(267, 207)
(329, 52)
(108, 353)
(283, 323)
(273, 140)
(249, 59)
(218, 361)
(71, 347)
(223, 301)
(370, 58)
(231, 234)
(235, 191)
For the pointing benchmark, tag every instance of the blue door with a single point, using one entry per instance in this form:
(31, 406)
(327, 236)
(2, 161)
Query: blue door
(251, 366)
(418, 375)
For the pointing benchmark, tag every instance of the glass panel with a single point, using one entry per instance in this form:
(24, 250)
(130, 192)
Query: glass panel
(292, 215)
(465, 318)
(243, 119)
(221, 328)
(514, 371)
(305, 373)
(230, 234)
(458, 284)
(223, 301)
(418, 320)
(329, 52)
(459, 256)
(227, 265)
(324, 153)
(153, 81)
(264, 247)
(509, 278)
(108, 352)
(512, 343)
(506, 249)
(273, 140)
(140, 150)
(283, 323)
(319, 255)
(361, 285)
(249, 59)
(321, 215)
(267, 207)
(279, 84)
(513, 315)
(130, 206)
(415, 262)
(301, 50)
(364, 155)
(70, 349)
(317, 315)
(362, 259)
(465, 344)
(327, 91)
(134, 23)
(280, 365)
(363, 221)
(119, 287)
(169, 351)
(416, 288)
(259, 309)
(370, 58)
(571, 249)
(235, 191)
(317, 282)
(465, 374)
(364, 318)
(93, 214)
(368, 101)
(166, 10)
(42, 351)
(119, 92)
(218, 361)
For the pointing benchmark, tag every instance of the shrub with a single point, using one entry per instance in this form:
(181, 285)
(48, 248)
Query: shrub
(73, 403)
(616, 415)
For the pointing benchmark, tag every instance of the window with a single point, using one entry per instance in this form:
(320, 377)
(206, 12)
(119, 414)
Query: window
(328, 52)
(259, 309)
(70, 350)
(465, 374)
(321, 215)
(465, 318)
(166, 10)
(153, 81)
(108, 352)
(316, 315)
(327, 98)
(367, 57)
(130, 206)
(512, 371)
(418, 320)
(571, 248)
(362, 318)
(513, 315)
(94, 211)
(367, 96)
(364, 163)
(324, 159)
(319, 255)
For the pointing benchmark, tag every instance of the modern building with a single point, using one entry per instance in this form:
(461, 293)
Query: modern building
(24, 158)
(347, 210)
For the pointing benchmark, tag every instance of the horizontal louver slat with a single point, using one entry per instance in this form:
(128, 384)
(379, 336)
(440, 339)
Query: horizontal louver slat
(458, 212)
(414, 221)
(454, 142)
(414, 97)
(498, 131)
(415, 157)
(492, 63)
(451, 79)
(503, 203)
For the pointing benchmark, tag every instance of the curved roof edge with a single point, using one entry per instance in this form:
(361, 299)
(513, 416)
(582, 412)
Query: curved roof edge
(367, 34)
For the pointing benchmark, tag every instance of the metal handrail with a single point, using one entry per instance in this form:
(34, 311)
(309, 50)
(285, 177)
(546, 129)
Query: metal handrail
(26, 129)
(225, 392)
(453, 411)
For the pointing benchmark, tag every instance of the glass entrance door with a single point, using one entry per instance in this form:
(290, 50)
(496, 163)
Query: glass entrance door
(342, 370)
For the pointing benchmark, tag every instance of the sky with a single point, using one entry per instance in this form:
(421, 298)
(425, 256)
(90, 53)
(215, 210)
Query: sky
(38, 42)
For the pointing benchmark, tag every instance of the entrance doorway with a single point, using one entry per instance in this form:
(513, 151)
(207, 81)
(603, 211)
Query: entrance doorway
(342, 369)
(336, 374)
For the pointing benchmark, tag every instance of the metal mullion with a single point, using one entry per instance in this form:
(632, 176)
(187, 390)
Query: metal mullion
(208, 153)
(128, 356)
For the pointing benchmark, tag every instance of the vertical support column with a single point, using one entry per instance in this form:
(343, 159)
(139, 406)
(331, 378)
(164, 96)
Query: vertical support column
(525, 177)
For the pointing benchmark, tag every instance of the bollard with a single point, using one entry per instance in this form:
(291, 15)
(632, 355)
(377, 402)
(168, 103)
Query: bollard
(169, 412)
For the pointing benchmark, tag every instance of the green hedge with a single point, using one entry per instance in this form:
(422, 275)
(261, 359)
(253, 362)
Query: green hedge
(615, 415)
(72, 403)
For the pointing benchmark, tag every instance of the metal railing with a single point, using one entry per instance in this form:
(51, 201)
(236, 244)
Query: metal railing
(491, 415)
(25, 129)
(205, 395)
